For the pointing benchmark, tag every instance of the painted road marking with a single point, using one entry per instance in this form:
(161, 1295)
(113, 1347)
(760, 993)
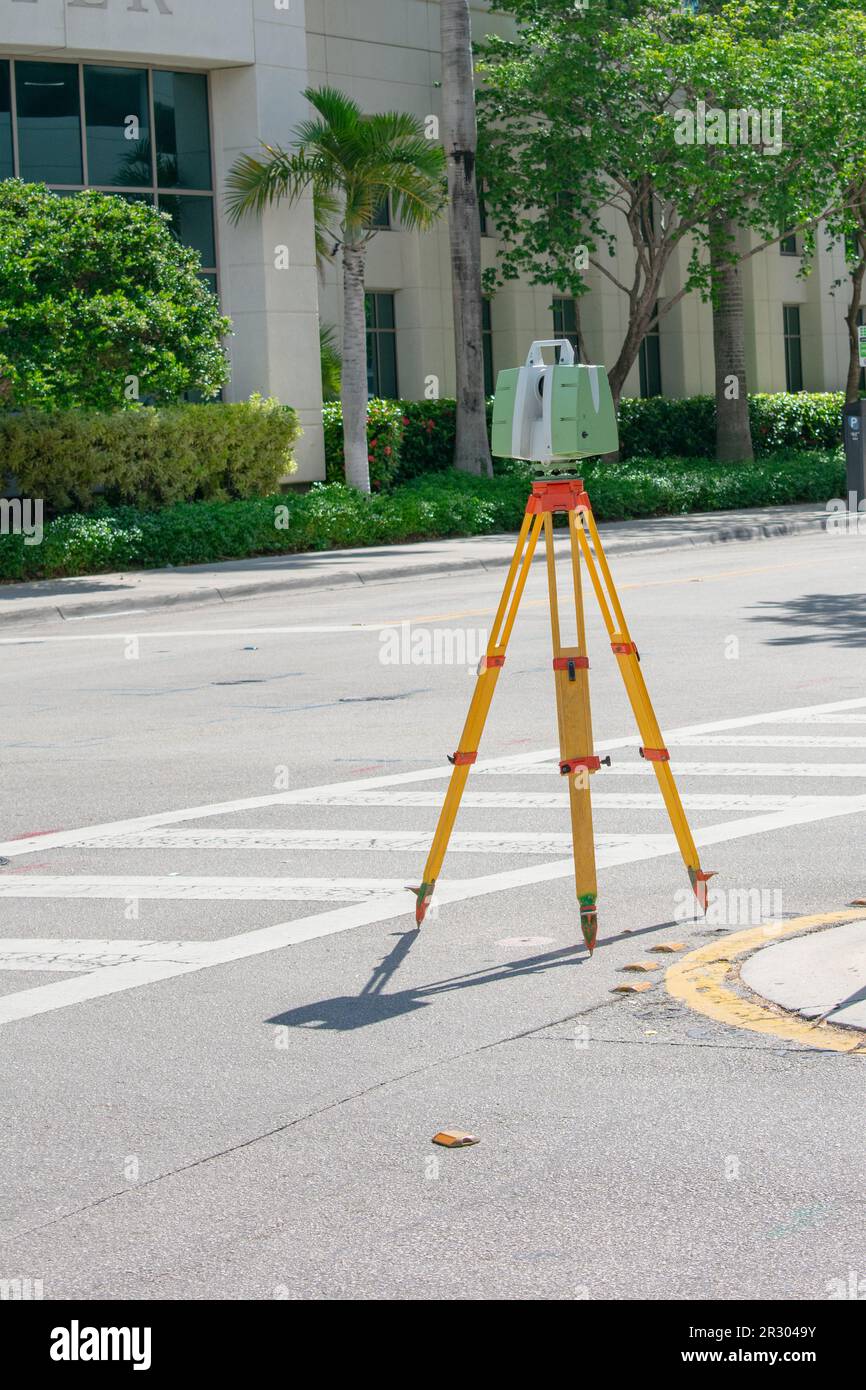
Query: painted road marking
(14, 848)
(604, 801)
(59, 954)
(371, 841)
(770, 741)
(178, 888)
(699, 980)
(689, 769)
(196, 956)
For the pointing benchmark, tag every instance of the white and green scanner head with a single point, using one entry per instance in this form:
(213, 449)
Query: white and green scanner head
(552, 414)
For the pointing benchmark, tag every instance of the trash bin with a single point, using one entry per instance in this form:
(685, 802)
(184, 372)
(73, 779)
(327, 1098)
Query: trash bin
(854, 431)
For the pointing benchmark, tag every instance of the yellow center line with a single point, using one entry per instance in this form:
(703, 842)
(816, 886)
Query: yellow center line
(699, 981)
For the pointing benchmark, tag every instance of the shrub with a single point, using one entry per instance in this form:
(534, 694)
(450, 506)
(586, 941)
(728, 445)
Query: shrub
(658, 427)
(95, 290)
(429, 431)
(448, 504)
(662, 426)
(384, 432)
(149, 457)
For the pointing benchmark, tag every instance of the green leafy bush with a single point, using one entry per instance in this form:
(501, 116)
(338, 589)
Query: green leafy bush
(332, 515)
(686, 428)
(384, 433)
(148, 457)
(658, 427)
(96, 291)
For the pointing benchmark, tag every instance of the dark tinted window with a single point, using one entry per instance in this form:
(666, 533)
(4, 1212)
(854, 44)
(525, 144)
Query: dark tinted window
(6, 165)
(49, 126)
(118, 126)
(182, 135)
(192, 223)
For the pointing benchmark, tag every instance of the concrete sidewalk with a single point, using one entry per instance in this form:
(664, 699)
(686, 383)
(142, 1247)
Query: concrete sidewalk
(226, 582)
(821, 974)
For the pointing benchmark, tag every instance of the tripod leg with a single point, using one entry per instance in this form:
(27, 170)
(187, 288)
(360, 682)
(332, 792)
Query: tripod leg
(488, 674)
(571, 677)
(629, 665)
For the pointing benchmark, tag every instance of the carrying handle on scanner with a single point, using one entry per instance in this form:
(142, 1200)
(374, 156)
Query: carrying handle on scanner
(566, 352)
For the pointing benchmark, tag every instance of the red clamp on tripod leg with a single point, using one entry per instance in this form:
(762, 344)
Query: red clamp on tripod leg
(655, 755)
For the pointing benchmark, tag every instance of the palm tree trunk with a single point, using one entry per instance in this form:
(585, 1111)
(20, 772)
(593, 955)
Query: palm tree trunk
(733, 431)
(354, 384)
(460, 139)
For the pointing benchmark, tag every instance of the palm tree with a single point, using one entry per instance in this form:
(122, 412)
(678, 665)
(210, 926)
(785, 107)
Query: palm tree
(460, 138)
(350, 162)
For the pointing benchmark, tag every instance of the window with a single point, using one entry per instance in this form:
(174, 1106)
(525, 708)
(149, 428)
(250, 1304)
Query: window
(7, 167)
(788, 245)
(482, 208)
(565, 322)
(793, 353)
(487, 347)
(118, 127)
(49, 122)
(180, 111)
(650, 360)
(140, 133)
(382, 215)
(381, 347)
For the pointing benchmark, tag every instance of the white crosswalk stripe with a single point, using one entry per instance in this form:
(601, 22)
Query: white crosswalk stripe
(540, 852)
(388, 841)
(689, 769)
(176, 888)
(601, 801)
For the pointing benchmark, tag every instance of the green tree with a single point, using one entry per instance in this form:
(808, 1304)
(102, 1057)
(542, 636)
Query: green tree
(350, 163)
(586, 114)
(100, 305)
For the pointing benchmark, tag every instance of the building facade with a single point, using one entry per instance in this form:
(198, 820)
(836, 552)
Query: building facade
(156, 98)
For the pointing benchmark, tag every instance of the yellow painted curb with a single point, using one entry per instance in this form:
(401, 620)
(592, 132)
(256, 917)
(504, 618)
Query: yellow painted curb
(698, 980)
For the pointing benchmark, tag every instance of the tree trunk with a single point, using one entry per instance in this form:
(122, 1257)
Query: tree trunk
(354, 384)
(852, 385)
(460, 140)
(733, 431)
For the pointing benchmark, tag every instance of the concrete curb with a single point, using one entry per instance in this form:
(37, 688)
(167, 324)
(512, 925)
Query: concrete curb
(819, 975)
(48, 610)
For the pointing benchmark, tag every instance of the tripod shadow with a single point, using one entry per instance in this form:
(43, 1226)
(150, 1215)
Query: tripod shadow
(346, 1012)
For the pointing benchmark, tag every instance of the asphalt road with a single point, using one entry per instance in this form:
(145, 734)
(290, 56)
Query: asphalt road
(225, 1047)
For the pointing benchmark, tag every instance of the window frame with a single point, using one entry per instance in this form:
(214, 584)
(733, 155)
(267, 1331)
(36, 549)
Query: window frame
(375, 332)
(788, 339)
(152, 190)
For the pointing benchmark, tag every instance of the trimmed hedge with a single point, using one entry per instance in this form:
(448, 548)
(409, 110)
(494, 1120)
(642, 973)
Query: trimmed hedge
(149, 457)
(421, 433)
(662, 426)
(332, 515)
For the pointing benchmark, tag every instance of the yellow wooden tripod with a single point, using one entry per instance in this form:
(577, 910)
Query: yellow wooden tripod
(571, 674)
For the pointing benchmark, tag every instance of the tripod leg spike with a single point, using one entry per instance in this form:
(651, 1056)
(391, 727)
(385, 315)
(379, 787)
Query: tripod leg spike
(699, 879)
(589, 920)
(422, 900)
